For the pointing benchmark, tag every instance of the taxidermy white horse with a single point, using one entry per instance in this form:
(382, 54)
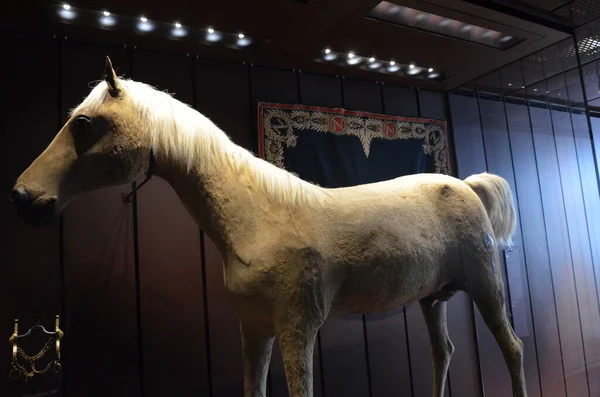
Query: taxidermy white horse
(294, 253)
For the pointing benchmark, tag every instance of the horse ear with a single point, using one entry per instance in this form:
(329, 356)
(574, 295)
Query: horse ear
(114, 85)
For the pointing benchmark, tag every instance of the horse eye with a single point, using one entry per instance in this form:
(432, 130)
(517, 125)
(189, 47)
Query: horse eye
(83, 122)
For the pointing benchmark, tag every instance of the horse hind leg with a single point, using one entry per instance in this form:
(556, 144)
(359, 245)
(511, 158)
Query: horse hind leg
(441, 345)
(486, 289)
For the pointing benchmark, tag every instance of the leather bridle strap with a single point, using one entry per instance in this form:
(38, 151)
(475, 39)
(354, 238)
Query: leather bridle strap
(149, 174)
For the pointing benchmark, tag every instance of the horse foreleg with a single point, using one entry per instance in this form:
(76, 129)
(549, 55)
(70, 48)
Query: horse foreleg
(441, 346)
(256, 345)
(297, 347)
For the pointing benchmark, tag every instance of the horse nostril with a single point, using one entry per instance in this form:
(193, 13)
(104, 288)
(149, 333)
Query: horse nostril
(19, 196)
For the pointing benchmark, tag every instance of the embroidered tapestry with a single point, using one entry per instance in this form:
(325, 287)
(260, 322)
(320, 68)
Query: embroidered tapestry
(334, 147)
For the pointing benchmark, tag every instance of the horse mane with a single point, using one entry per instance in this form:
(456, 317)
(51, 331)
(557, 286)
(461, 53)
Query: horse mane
(183, 134)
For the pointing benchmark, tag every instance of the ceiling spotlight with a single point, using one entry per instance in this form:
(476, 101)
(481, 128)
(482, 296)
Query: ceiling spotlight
(547, 92)
(212, 36)
(372, 59)
(411, 66)
(243, 41)
(350, 54)
(430, 70)
(522, 86)
(559, 94)
(414, 70)
(433, 75)
(66, 12)
(145, 25)
(535, 89)
(178, 31)
(374, 65)
(107, 19)
(327, 50)
(393, 68)
(504, 39)
(392, 63)
(510, 84)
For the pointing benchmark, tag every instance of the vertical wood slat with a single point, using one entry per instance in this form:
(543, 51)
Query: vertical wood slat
(517, 279)
(591, 225)
(559, 253)
(98, 259)
(581, 259)
(471, 158)
(30, 285)
(386, 333)
(464, 378)
(546, 336)
(171, 286)
(222, 95)
(418, 336)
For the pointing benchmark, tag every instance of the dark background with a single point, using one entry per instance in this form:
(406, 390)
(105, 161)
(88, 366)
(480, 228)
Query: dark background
(140, 288)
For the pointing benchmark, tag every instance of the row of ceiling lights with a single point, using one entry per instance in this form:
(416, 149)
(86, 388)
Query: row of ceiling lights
(534, 90)
(374, 63)
(145, 25)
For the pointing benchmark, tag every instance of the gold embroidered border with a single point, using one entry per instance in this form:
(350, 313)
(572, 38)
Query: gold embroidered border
(278, 135)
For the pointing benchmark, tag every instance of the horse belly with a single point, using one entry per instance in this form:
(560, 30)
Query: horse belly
(381, 287)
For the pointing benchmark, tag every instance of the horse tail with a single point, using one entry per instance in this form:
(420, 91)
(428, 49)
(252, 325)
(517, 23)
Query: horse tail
(497, 198)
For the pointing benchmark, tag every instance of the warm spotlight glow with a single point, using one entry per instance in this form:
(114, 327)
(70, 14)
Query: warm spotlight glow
(392, 63)
(430, 70)
(177, 25)
(210, 30)
(327, 50)
(241, 35)
(66, 6)
(106, 13)
(372, 59)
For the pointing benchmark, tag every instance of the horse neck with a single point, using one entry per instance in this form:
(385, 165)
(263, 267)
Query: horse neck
(222, 201)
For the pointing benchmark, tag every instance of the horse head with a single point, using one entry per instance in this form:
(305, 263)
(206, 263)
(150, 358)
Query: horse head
(103, 143)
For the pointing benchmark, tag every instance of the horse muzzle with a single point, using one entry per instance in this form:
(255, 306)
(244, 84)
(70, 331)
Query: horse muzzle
(34, 210)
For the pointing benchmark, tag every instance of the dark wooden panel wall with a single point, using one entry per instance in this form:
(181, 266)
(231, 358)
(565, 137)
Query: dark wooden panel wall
(546, 155)
(141, 289)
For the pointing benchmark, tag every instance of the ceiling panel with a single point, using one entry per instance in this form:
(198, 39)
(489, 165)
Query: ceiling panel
(295, 34)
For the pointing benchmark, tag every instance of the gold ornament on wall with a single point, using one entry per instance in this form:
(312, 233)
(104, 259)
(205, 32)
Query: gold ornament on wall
(24, 364)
